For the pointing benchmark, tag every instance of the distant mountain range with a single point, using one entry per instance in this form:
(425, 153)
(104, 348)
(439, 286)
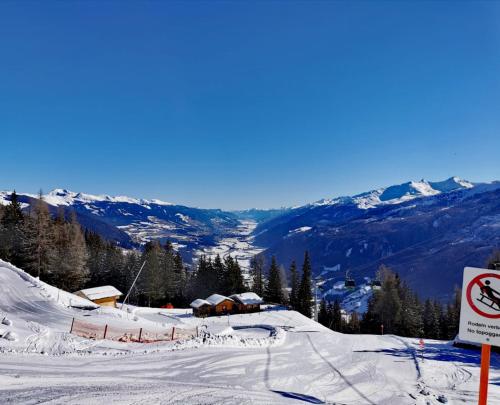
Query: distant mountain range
(427, 231)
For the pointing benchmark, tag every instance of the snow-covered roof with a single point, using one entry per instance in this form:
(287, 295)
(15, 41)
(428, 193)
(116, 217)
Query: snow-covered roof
(247, 298)
(197, 303)
(216, 299)
(98, 293)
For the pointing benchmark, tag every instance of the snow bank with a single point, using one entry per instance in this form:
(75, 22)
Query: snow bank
(228, 338)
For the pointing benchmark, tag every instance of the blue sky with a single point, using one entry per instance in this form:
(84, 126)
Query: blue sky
(247, 104)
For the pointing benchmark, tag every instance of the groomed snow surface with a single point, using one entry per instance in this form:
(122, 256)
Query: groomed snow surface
(272, 357)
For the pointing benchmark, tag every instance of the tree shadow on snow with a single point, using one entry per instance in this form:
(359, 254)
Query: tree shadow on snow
(301, 397)
(439, 352)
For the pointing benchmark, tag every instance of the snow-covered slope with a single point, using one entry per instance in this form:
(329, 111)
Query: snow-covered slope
(399, 193)
(272, 357)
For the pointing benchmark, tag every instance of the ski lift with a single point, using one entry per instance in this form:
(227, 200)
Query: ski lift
(376, 284)
(349, 283)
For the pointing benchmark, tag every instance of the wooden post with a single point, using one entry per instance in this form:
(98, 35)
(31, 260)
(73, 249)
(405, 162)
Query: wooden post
(72, 323)
(140, 335)
(173, 332)
(197, 332)
(105, 331)
(485, 369)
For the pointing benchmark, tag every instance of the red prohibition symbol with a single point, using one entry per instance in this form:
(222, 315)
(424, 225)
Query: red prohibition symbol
(485, 297)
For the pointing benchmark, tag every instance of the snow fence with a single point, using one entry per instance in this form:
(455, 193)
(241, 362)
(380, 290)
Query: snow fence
(90, 330)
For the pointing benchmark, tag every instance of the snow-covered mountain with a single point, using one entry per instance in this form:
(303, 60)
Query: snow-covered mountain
(427, 231)
(400, 193)
(420, 228)
(132, 221)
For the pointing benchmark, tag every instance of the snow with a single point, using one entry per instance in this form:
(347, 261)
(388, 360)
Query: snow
(239, 245)
(299, 230)
(197, 303)
(271, 357)
(247, 298)
(453, 183)
(63, 197)
(97, 293)
(182, 217)
(400, 193)
(216, 299)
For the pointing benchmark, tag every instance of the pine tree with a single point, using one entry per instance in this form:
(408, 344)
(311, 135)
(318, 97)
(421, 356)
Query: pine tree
(234, 276)
(410, 321)
(152, 281)
(96, 248)
(388, 305)
(206, 280)
(167, 259)
(294, 284)
(273, 293)
(284, 285)
(222, 282)
(453, 314)
(431, 320)
(305, 295)
(11, 235)
(336, 317)
(181, 277)
(257, 272)
(324, 314)
(129, 269)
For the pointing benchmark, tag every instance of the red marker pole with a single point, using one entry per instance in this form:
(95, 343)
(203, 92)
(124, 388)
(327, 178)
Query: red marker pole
(485, 369)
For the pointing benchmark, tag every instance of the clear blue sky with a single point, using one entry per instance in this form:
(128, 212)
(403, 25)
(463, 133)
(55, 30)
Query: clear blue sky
(246, 104)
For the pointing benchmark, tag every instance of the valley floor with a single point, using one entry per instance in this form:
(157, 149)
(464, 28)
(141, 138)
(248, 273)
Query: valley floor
(271, 357)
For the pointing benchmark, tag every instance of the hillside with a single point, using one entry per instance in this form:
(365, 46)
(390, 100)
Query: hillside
(425, 231)
(241, 359)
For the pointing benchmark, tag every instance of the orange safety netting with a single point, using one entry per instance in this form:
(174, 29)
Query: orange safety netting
(94, 331)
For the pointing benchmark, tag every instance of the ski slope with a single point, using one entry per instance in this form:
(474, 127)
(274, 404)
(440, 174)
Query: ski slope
(272, 357)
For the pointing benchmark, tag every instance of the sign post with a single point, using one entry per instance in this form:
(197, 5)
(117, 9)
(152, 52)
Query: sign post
(421, 345)
(480, 317)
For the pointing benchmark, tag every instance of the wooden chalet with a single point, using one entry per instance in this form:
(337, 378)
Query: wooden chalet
(201, 308)
(247, 302)
(106, 295)
(221, 305)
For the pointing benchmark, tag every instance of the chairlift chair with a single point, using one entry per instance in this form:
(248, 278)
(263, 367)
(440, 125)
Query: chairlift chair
(349, 283)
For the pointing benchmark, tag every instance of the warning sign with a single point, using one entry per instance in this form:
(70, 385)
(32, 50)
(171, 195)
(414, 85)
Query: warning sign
(480, 310)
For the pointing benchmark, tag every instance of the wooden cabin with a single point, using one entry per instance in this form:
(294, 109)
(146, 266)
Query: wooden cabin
(201, 308)
(221, 305)
(106, 295)
(247, 302)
